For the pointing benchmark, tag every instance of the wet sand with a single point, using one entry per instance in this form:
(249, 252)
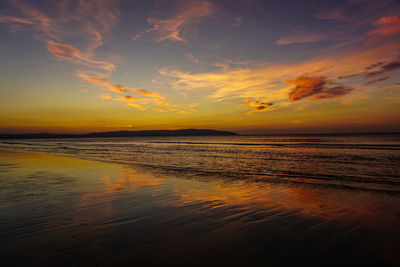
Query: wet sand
(64, 211)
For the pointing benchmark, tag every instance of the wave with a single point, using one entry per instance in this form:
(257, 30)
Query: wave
(346, 162)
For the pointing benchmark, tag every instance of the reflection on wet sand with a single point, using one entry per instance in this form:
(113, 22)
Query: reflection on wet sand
(58, 210)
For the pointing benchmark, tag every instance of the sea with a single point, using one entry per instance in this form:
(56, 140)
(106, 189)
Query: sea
(273, 200)
(352, 161)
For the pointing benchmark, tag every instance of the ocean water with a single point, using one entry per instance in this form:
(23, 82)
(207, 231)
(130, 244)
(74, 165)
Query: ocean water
(312, 200)
(354, 161)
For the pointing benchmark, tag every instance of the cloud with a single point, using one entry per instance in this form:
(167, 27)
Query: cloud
(315, 88)
(238, 22)
(105, 84)
(378, 80)
(300, 36)
(192, 58)
(148, 93)
(349, 27)
(226, 83)
(374, 65)
(387, 26)
(31, 17)
(108, 85)
(391, 84)
(129, 98)
(139, 107)
(258, 105)
(147, 96)
(332, 14)
(105, 96)
(383, 68)
(90, 20)
(267, 81)
(54, 22)
(181, 109)
(64, 52)
(175, 27)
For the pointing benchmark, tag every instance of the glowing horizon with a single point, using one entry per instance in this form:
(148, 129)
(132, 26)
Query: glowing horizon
(245, 66)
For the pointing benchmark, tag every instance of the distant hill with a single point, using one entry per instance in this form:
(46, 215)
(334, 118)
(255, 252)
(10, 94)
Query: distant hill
(182, 132)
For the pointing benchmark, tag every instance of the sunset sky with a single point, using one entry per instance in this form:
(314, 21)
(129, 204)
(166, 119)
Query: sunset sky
(247, 66)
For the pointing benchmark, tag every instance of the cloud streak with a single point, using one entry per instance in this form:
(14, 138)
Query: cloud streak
(383, 68)
(146, 97)
(300, 37)
(68, 53)
(109, 86)
(88, 20)
(176, 26)
(315, 88)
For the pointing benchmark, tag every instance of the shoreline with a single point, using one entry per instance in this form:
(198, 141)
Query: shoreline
(150, 170)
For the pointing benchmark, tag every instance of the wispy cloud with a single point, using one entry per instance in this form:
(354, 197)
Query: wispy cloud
(377, 80)
(31, 17)
(314, 79)
(108, 85)
(139, 107)
(336, 13)
(90, 20)
(382, 68)
(301, 36)
(146, 97)
(103, 83)
(105, 96)
(68, 53)
(238, 22)
(350, 26)
(55, 22)
(176, 26)
(192, 58)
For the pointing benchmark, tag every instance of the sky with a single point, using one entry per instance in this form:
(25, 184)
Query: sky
(249, 66)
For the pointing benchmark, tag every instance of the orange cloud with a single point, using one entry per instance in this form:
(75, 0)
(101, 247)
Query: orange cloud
(88, 20)
(139, 107)
(315, 88)
(258, 105)
(267, 82)
(105, 96)
(64, 52)
(129, 98)
(151, 97)
(175, 28)
(105, 84)
(147, 93)
(387, 26)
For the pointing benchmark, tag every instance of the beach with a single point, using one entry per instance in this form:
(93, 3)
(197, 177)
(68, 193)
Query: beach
(59, 210)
